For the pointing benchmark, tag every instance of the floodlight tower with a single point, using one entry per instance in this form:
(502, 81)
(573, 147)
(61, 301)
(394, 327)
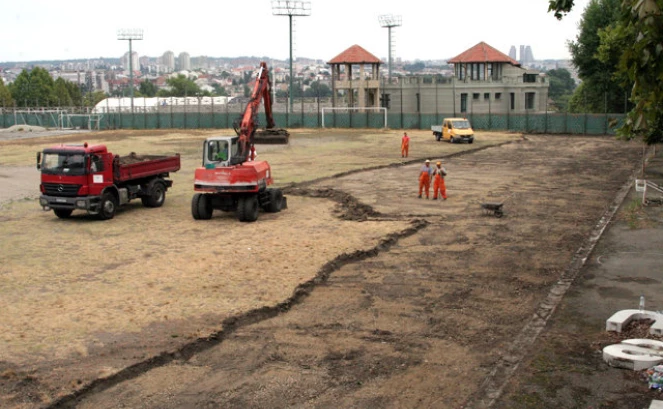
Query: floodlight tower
(130, 35)
(389, 21)
(291, 8)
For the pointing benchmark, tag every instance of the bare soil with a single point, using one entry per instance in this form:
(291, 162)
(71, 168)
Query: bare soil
(360, 295)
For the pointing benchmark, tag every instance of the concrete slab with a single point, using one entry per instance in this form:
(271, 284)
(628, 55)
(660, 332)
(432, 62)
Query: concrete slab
(656, 404)
(621, 318)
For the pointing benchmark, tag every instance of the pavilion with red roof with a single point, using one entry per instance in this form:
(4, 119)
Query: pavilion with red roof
(345, 77)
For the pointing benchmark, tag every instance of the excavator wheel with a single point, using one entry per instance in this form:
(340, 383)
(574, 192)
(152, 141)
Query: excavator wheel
(275, 201)
(201, 207)
(271, 136)
(247, 208)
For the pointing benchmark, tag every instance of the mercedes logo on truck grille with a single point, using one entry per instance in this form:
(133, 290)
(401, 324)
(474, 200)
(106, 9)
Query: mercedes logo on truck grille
(60, 188)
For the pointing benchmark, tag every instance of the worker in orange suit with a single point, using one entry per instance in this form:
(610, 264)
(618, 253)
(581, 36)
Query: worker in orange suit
(405, 145)
(438, 181)
(424, 178)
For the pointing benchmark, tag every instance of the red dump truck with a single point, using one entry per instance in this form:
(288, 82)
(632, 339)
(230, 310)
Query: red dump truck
(89, 177)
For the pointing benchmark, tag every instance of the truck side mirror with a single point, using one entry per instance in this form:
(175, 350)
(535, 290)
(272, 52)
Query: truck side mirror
(38, 160)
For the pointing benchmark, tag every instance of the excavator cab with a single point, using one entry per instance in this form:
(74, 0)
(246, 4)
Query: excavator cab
(218, 151)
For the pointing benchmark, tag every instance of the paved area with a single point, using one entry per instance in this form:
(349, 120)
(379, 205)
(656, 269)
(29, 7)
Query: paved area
(566, 368)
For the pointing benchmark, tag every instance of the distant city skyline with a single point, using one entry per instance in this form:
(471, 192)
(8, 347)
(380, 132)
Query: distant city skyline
(42, 30)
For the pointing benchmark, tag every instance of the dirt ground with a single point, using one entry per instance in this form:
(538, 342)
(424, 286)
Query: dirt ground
(360, 295)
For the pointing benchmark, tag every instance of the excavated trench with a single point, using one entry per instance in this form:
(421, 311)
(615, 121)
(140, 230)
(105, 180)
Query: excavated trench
(349, 208)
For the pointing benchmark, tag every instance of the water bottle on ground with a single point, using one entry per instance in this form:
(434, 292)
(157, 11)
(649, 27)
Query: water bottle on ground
(642, 303)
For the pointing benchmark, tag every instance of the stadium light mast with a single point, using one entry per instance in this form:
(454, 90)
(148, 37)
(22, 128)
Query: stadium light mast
(291, 8)
(130, 35)
(389, 21)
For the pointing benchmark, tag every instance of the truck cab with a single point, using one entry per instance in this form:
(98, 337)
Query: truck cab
(454, 130)
(73, 174)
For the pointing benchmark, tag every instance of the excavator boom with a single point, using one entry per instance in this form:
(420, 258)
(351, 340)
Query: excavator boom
(248, 132)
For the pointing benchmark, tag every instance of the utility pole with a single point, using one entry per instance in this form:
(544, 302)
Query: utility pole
(130, 35)
(291, 8)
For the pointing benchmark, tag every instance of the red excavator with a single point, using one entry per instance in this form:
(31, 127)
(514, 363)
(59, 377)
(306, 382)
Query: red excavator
(230, 178)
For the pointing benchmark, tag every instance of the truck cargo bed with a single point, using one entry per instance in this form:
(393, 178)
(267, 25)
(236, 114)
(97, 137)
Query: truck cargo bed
(134, 166)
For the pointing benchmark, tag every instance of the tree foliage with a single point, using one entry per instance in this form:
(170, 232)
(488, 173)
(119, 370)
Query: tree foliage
(635, 41)
(34, 88)
(603, 91)
(181, 86)
(561, 87)
(147, 89)
(62, 93)
(6, 99)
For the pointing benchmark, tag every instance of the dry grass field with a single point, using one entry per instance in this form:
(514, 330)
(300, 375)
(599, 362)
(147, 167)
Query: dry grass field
(358, 295)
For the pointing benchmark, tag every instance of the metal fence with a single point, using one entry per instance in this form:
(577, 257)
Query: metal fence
(305, 114)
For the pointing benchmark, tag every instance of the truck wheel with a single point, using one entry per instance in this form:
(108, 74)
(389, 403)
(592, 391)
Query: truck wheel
(63, 213)
(438, 137)
(275, 201)
(107, 206)
(201, 207)
(156, 195)
(247, 208)
(470, 140)
(451, 139)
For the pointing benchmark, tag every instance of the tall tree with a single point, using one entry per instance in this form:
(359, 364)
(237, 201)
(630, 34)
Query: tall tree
(602, 90)
(6, 99)
(561, 87)
(639, 30)
(74, 93)
(34, 88)
(62, 96)
(181, 86)
(147, 88)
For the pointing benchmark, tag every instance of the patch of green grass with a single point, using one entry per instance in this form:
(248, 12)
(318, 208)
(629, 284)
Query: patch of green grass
(633, 213)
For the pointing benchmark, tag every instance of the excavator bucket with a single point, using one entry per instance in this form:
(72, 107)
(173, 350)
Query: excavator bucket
(271, 136)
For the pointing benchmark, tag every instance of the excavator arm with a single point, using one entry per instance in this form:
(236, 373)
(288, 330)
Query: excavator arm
(248, 125)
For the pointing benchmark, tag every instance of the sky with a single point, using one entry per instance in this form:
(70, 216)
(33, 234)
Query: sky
(430, 30)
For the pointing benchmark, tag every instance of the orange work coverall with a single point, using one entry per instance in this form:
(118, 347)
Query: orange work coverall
(438, 183)
(405, 146)
(424, 180)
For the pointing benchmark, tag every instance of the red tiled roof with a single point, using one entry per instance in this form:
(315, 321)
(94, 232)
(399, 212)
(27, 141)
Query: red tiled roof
(355, 55)
(482, 52)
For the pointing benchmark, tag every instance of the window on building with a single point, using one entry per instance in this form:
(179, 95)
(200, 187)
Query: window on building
(475, 95)
(463, 102)
(385, 101)
(529, 77)
(529, 100)
(460, 71)
(482, 72)
(497, 72)
(486, 95)
(513, 100)
(498, 95)
(489, 67)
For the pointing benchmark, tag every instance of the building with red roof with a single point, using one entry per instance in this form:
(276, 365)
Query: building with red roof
(485, 81)
(349, 72)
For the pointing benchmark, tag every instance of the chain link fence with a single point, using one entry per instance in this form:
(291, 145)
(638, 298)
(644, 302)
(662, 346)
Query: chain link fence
(302, 113)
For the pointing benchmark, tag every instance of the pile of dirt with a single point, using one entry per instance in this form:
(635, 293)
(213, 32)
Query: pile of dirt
(349, 207)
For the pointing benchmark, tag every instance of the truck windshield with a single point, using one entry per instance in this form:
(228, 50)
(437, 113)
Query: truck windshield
(62, 163)
(461, 124)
